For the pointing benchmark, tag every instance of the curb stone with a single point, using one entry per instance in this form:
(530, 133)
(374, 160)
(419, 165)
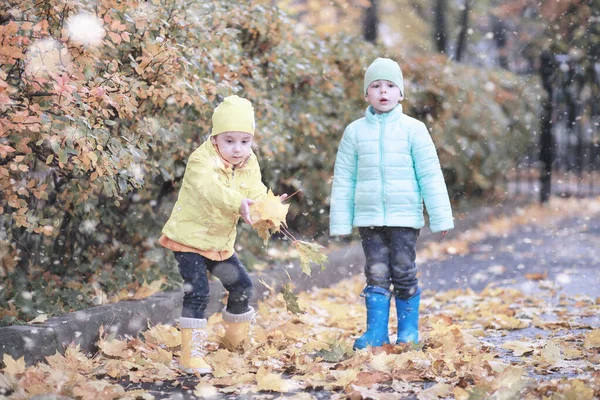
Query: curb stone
(129, 317)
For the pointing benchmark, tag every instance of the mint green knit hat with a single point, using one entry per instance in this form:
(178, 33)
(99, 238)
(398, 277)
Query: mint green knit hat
(384, 68)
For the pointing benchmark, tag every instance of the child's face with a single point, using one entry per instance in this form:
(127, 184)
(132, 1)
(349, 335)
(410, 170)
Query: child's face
(383, 96)
(234, 147)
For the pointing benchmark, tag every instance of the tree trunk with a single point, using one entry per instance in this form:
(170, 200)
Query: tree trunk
(371, 22)
(547, 67)
(440, 25)
(499, 31)
(464, 28)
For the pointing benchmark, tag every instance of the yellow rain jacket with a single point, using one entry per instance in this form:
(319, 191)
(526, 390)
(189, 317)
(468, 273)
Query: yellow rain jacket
(206, 213)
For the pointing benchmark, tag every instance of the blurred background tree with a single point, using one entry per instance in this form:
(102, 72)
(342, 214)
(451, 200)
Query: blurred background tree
(100, 106)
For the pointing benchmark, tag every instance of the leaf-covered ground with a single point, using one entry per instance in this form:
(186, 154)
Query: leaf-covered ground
(497, 343)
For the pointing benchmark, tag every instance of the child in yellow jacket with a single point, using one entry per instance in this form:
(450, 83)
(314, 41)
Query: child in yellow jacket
(222, 179)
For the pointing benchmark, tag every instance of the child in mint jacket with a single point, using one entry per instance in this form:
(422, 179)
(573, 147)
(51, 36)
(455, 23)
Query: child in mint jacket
(386, 167)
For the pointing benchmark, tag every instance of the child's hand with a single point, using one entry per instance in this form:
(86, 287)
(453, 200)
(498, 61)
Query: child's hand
(245, 210)
(444, 233)
(283, 197)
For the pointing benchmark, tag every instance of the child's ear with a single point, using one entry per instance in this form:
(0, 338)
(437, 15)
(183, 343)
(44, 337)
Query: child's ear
(401, 97)
(213, 139)
(366, 97)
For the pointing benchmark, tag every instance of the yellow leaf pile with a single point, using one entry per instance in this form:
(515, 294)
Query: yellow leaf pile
(499, 343)
(462, 351)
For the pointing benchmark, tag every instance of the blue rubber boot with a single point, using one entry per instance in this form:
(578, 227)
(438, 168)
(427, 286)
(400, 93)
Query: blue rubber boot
(408, 318)
(377, 300)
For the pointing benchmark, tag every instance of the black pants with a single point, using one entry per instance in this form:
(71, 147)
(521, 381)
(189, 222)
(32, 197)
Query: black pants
(390, 254)
(196, 289)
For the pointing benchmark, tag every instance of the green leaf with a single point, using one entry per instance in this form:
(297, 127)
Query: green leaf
(55, 146)
(310, 253)
(62, 156)
(338, 351)
(291, 300)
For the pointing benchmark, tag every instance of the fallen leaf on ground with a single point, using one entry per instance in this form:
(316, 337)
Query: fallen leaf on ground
(592, 339)
(13, 366)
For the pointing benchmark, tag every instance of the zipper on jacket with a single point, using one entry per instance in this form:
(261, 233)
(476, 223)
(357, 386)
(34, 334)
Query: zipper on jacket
(232, 179)
(381, 165)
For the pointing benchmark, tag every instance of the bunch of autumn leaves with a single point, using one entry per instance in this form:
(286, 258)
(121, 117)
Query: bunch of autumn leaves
(268, 216)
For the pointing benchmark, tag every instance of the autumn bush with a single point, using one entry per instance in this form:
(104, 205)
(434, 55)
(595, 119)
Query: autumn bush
(95, 130)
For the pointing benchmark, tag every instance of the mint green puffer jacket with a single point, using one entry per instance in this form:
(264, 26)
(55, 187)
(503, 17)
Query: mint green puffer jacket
(386, 166)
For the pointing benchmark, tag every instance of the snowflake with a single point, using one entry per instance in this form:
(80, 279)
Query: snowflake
(86, 29)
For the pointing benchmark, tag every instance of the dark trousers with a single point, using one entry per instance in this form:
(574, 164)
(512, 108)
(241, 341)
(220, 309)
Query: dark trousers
(390, 254)
(231, 272)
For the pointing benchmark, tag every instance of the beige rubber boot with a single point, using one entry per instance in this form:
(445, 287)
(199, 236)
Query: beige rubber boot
(237, 327)
(193, 346)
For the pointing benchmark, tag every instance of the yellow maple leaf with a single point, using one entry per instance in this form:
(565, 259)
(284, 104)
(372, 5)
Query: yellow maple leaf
(99, 389)
(268, 214)
(592, 339)
(76, 360)
(310, 253)
(518, 348)
(205, 390)
(505, 322)
(439, 390)
(344, 377)
(13, 366)
(114, 348)
(161, 355)
(39, 319)
(264, 230)
(163, 335)
(219, 361)
(576, 389)
(510, 382)
(460, 393)
(268, 381)
(148, 290)
(550, 355)
(383, 362)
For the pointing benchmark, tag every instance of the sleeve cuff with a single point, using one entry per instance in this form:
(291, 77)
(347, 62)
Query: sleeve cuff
(340, 231)
(441, 227)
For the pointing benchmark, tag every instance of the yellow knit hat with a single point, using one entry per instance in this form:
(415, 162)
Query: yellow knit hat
(234, 114)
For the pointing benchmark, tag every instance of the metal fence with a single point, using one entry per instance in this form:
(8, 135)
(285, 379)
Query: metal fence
(575, 170)
(576, 142)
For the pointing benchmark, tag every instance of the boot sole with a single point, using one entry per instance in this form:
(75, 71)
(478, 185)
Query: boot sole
(370, 344)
